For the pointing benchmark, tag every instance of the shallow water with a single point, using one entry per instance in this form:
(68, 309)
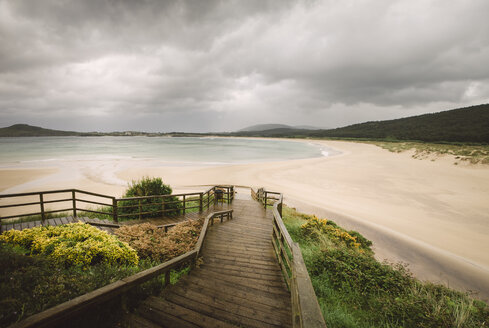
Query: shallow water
(15, 152)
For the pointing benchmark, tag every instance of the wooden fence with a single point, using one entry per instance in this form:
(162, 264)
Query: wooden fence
(305, 307)
(69, 310)
(112, 207)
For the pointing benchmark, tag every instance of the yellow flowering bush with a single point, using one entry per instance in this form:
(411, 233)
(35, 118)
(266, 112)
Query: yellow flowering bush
(315, 227)
(75, 244)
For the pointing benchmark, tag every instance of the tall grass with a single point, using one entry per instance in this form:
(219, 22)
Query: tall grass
(355, 290)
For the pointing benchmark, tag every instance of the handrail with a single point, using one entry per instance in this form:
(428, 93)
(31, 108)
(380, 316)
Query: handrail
(201, 201)
(305, 307)
(65, 311)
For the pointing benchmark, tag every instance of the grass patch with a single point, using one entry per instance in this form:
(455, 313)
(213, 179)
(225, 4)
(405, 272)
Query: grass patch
(355, 290)
(474, 154)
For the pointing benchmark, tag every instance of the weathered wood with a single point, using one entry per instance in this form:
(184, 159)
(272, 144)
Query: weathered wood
(41, 203)
(73, 195)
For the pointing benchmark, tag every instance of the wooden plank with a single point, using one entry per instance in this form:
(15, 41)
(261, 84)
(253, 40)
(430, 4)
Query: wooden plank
(164, 318)
(133, 320)
(185, 314)
(229, 311)
(246, 300)
(311, 315)
(256, 295)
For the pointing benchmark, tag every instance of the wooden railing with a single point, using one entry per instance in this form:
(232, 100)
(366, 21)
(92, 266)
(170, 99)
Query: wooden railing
(67, 311)
(305, 307)
(112, 207)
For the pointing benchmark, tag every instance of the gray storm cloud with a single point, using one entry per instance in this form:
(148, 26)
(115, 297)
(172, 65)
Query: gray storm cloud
(219, 66)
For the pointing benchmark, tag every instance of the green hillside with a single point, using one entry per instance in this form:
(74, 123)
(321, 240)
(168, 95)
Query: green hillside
(24, 130)
(470, 124)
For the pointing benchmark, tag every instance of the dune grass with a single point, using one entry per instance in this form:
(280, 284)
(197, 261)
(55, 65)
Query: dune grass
(474, 154)
(356, 291)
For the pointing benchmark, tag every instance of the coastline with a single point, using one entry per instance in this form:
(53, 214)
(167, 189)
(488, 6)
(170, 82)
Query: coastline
(431, 215)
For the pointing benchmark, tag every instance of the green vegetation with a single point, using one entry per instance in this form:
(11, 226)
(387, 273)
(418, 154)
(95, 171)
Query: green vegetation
(473, 154)
(152, 206)
(355, 290)
(35, 275)
(466, 125)
(74, 244)
(24, 130)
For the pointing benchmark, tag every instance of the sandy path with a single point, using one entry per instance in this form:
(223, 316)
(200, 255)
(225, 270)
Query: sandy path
(432, 215)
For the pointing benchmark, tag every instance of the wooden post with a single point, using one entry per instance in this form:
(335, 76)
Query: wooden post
(41, 202)
(266, 199)
(73, 196)
(114, 209)
(229, 194)
(163, 206)
(140, 210)
(184, 205)
(279, 207)
(167, 277)
(201, 205)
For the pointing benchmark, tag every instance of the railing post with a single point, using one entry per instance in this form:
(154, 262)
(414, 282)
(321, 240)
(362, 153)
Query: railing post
(114, 209)
(184, 205)
(266, 199)
(201, 205)
(41, 202)
(73, 196)
(229, 194)
(139, 208)
(163, 206)
(167, 277)
(279, 207)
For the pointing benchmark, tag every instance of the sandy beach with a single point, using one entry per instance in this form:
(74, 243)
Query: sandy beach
(432, 215)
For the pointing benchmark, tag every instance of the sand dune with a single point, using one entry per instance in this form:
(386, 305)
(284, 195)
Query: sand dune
(432, 215)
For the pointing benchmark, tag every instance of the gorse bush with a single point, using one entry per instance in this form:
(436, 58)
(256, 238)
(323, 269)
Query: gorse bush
(75, 244)
(355, 290)
(152, 207)
(314, 228)
(30, 284)
(158, 245)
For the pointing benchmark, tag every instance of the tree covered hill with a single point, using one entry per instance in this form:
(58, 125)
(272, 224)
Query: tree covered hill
(470, 124)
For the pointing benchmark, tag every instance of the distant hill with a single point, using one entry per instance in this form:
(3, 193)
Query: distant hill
(266, 127)
(24, 130)
(263, 127)
(469, 124)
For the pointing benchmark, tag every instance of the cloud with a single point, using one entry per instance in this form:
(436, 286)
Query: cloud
(214, 65)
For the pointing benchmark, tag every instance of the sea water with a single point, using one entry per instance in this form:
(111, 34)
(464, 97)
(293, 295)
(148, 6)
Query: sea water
(35, 151)
(99, 159)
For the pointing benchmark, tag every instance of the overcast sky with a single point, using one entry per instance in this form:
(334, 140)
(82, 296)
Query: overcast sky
(222, 65)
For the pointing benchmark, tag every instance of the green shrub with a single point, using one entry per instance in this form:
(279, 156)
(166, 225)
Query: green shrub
(30, 284)
(151, 206)
(75, 244)
(355, 290)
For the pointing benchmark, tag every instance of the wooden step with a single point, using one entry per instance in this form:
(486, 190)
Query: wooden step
(132, 320)
(169, 315)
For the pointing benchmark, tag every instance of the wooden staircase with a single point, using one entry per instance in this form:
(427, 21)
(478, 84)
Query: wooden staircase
(239, 283)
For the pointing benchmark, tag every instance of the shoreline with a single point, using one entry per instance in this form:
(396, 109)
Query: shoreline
(431, 215)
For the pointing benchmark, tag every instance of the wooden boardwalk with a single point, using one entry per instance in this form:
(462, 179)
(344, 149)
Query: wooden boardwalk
(239, 283)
